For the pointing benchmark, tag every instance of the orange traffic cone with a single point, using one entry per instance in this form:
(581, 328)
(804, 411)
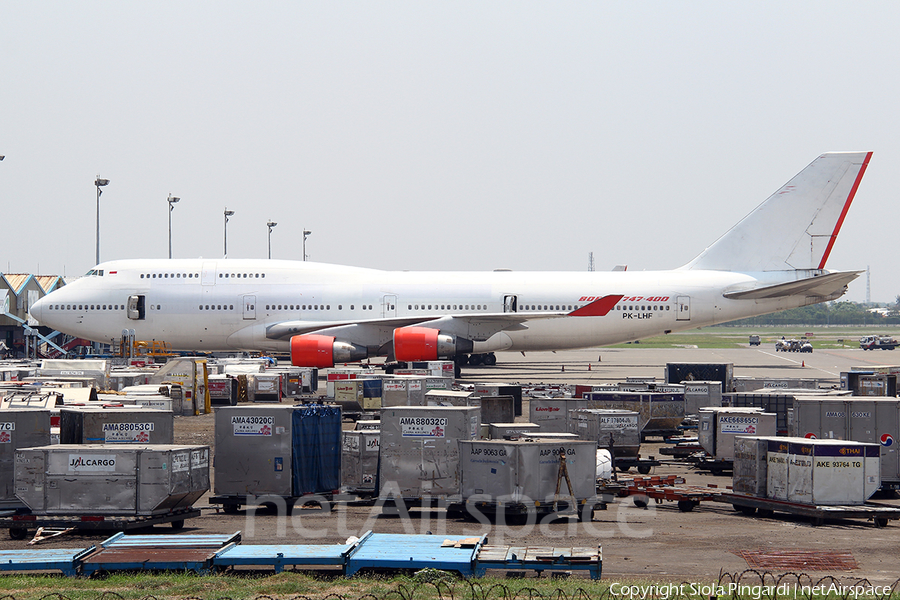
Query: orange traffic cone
(589, 366)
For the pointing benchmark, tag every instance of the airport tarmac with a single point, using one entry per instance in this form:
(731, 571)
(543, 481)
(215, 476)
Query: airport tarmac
(658, 541)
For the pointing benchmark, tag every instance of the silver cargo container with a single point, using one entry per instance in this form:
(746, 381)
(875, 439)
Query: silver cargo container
(502, 389)
(700, 394)
(111, 479)
(403, 390)
(452, 398)
(719, 426)
(525, 472)
(498, 409)
(868, 420)
(499, 431)
(552, 414)
(93, 425)
(752, 384)
(821, 472)
(368, 425)
(419, 450)
(359, 461)
(750, 460)
(264, 387)
(660, 412)
(602, 426)
(19, 428)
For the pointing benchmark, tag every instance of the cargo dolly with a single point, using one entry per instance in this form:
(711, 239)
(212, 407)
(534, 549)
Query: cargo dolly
(879, 514)
(20, 524)
(670, 488)
(643, 465)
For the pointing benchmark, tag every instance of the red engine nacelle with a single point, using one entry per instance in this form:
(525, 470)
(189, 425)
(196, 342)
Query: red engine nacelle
(422, 343)
(322, 351)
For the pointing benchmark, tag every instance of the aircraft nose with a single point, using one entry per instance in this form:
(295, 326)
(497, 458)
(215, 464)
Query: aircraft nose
(37, 310)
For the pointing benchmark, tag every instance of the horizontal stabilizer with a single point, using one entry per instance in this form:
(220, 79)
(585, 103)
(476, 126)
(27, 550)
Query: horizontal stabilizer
(823, 286)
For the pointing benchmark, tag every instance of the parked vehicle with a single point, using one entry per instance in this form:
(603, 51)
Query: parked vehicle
(754, 340)
(878, 342)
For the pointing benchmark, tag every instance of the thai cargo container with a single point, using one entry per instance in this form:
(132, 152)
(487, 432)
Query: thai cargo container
(403, 390)
(286, 451)
(752, 384)
(499, 431)
(497, 409)
(867, 420)
(687, 372)
(19, 428)
(502, 389)
(661, 413)
(718, 427)
(359, 461)
(701, 394)
(821, 472)
(111, 479)
(552, 414)
(419, 450)
(95, 425)
(522, 475)
(621, 428)
(750, 460)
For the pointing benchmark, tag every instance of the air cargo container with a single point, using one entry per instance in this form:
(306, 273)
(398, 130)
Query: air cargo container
(191, 375)
(502, 389)
(661, 413)
(520, 476)
(403, 390)
(867, 420)
(19, 428)
(359, 461)
(750, 460)
(111, 479)
(368, 425)
(499, 431)
(93, 425)
(753, 384)
(354, 395)
(619, 427)
(497, 409)
(419, 450)
(223, 389)
(770, 400)
(701, 394)
(286, 451)
(719, 426)
(264, 387)
(821, 472)
(687, 372)
(452, 398)
(552, 414)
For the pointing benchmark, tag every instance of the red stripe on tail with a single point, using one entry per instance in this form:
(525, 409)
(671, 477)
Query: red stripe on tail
(840, 221)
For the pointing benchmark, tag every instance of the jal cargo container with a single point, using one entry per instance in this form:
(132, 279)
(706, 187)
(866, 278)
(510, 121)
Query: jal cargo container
(419, 450)
(502, 389)
(403, 390)
(552, 414)
(661, 413)
(821, 472)
(359, 461)
(499, 431)
(619, 427)
(687, 372)
(523, 475)
(91, 425)
(750, 454)
(19, 428)
(867, 420)
(701, 394)
(111, 479)
(719, 426)
(277, 450)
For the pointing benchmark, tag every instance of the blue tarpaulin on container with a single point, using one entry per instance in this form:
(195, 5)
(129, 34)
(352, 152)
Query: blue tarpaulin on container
(316, 449)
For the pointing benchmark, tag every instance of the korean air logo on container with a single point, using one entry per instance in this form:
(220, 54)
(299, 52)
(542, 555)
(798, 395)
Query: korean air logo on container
(887, 439)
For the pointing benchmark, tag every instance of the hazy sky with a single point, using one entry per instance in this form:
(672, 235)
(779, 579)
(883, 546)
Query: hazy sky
(429, 135)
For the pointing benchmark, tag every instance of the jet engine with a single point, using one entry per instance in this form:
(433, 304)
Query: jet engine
(422, 343)
(323, 351)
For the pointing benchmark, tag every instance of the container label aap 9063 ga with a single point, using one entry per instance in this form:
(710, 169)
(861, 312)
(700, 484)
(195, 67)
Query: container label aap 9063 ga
(252, 425)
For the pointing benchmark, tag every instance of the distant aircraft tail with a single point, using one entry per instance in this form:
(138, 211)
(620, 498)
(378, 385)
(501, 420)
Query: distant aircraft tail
(797, 226)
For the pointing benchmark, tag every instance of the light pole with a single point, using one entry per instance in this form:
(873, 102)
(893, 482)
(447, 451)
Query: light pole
(270, 225)
(172, 201)
(306, 233)
(228, 213)
(99, 183)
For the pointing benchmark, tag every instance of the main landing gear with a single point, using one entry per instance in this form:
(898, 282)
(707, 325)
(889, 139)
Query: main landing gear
(475, 360)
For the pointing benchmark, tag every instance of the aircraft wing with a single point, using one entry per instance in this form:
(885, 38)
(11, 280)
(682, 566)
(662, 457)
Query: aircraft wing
(477, 327)
(822, 285)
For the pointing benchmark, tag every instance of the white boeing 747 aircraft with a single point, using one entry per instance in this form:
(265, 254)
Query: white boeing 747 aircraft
(323, 314)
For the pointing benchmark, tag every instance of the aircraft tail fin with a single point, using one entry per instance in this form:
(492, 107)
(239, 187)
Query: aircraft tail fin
(795, 228)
